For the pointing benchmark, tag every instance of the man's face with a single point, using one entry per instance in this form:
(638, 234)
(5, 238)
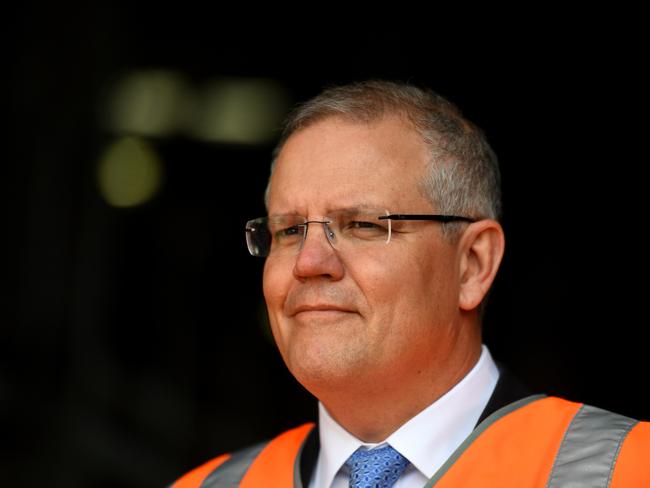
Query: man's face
(342, 318)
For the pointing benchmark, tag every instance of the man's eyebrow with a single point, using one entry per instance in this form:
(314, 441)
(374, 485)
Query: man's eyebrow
(353, 208)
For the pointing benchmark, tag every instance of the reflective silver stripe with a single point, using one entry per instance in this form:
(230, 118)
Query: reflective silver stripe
(589, 449)
(230, 473)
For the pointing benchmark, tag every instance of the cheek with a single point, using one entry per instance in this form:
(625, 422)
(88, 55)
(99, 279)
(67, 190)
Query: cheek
(275, 286)
(274, 283)
(383, 283)
(412, 289)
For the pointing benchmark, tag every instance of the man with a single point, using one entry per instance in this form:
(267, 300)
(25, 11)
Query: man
(381, 243)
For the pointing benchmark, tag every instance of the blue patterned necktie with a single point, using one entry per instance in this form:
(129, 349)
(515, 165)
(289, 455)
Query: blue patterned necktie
(375, 468)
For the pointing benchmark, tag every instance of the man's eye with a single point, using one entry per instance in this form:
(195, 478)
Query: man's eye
(365, 229)
(288, 232)
(357, 224)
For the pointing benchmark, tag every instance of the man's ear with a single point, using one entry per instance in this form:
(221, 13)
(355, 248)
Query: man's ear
(481, 247)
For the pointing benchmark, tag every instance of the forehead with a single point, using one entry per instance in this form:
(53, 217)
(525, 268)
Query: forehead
(336, 163)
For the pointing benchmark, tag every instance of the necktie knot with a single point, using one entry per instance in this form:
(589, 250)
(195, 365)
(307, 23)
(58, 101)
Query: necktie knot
(375, 468)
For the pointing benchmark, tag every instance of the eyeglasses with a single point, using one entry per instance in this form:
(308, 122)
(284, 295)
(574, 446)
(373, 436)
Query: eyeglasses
(345, 229)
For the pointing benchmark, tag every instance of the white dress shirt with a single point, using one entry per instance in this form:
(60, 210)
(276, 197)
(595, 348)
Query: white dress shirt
(427, 440)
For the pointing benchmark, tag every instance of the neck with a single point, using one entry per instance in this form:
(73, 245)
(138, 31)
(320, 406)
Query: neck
(373, 409)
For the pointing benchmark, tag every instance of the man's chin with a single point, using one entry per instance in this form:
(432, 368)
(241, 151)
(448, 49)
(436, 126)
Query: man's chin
(319, 368)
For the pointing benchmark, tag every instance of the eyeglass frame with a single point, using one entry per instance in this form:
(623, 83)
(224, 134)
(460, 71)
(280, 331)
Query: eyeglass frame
(445, 219)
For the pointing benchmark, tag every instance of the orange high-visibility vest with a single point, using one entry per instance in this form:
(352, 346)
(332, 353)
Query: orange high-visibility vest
(535, 442)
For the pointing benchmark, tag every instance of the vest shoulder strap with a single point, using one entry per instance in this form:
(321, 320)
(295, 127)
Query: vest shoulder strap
(194, 478)
(231, 472)
(550, 442)
(278, 463)
(632, 467)
(270, 463)
(486, 457)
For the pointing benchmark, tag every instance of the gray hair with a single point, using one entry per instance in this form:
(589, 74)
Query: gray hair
(464, 176)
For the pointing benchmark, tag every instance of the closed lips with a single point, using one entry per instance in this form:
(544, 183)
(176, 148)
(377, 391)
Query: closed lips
(320, 308)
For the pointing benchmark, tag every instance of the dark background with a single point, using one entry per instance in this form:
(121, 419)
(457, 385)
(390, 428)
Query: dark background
(133, 343)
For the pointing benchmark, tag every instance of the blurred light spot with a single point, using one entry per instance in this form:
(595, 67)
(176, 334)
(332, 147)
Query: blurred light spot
(129, 173)
(151, 103)
(241, 111)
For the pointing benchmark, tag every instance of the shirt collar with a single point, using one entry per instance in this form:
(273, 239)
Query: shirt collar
(429, 438)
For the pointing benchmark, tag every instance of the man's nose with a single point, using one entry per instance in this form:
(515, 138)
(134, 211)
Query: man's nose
(317, 256)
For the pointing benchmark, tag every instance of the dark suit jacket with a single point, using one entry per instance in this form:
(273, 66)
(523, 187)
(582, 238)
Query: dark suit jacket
(507, 390)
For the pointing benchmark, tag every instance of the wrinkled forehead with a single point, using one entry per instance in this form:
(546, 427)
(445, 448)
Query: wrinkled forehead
(336, 163)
